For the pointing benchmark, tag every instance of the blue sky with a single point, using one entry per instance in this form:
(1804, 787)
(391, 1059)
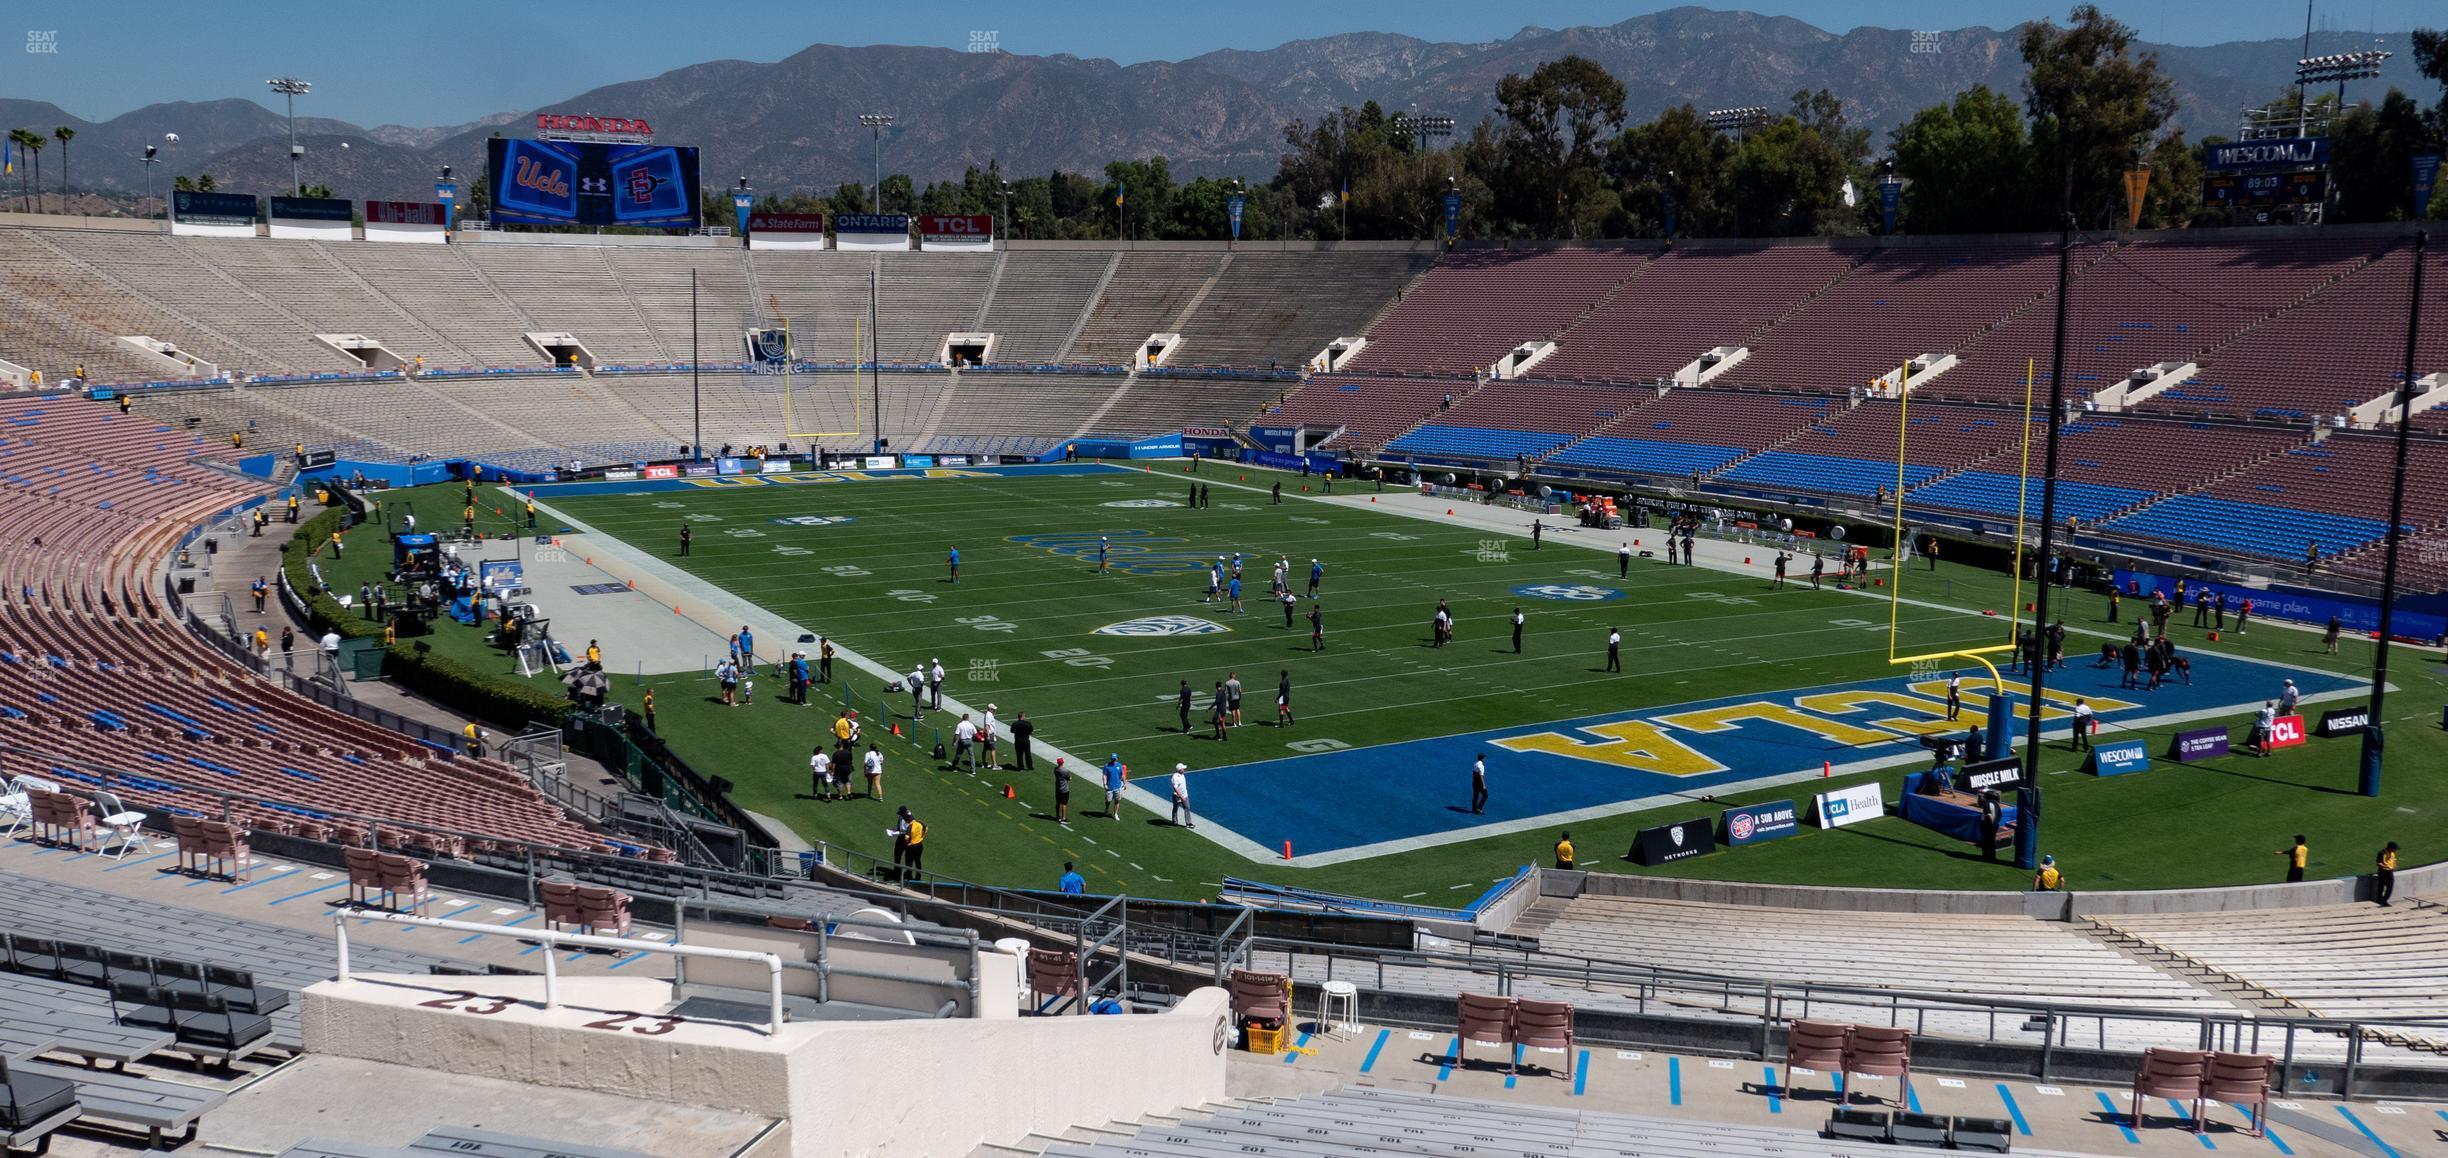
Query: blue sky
(444, 64)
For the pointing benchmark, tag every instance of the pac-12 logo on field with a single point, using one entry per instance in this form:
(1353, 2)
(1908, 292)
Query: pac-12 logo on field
(815, 520)
(1163, 625)
(1570, 592)
(1143, 503)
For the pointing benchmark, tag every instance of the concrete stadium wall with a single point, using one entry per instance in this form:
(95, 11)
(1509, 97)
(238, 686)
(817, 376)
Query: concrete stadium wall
(847, 1088)
(2042, 906)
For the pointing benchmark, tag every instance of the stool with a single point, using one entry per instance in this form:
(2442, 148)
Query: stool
(1338, 1005)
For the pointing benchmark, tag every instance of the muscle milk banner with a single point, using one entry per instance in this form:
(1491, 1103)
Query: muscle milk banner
(958, 232)
(423, 222)
(871, 231)
(194, 214)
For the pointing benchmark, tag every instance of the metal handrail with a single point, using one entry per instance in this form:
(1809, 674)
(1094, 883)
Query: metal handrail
(552, 939)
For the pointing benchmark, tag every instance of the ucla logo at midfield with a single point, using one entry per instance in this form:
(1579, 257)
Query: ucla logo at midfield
(1155, 626)
(814, 520)
(1142, 503)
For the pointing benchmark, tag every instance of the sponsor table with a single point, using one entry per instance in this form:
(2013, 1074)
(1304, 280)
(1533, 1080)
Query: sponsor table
(1953, 813)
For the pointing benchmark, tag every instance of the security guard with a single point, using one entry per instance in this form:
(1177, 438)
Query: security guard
(1564, 851)
(2049, 880)
(2384, 874)
(909, 844)
(2297, 856)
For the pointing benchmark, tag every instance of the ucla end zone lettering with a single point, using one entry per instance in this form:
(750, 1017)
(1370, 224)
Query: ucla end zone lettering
(1624, 761)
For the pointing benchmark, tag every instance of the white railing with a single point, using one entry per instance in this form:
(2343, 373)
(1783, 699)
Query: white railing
(551, 939)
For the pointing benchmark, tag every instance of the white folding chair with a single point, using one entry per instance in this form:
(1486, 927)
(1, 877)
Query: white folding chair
(16, 806)
(124, 822)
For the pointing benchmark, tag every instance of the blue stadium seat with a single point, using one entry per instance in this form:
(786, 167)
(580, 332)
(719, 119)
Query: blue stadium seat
(1827, 473)
(1642, 456)
(1981, 490)
(2249, 528)
(1477, 442)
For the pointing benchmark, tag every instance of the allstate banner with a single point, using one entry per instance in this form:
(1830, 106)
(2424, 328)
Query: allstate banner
(2288, 153)
(2198, 744)
(418, 221)
(871, 230)
(212, 214)
(1754, 823)
(2123, 757)
(1232, 213)
(966, 232)
(593, 183)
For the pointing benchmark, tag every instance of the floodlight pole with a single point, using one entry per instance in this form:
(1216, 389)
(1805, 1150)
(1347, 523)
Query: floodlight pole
(875, 360)
(291, 87)
(2370, 779)
(2048, 505)
(696, 405)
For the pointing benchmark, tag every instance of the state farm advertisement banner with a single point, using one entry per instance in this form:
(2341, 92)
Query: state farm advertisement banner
(786, 223)
(972, 232)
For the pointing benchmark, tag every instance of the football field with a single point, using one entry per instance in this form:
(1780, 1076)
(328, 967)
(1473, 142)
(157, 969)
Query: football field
(1731, 688)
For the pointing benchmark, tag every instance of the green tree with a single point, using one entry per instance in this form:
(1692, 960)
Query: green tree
(2371, 159)
(1966, 165)
(1788, 178)
(2431, 59)
(63, 134)
(1558, 123)
(2095, 106)
(31, 146)
(2174, 198)
(1675, 160)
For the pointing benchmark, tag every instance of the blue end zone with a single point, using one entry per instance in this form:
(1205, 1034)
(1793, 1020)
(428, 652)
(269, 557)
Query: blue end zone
(816, 477)
(1370, 801)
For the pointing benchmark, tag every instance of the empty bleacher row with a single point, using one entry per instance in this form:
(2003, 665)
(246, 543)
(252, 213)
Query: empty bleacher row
(1384, 1120)
(2344, 961)
(94, 668)
(253, 306)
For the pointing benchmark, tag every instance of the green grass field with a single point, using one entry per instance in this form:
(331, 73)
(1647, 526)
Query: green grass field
(1019, 630)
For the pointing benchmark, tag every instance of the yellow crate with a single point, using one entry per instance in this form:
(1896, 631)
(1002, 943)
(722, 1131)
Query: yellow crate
(1266, 1041)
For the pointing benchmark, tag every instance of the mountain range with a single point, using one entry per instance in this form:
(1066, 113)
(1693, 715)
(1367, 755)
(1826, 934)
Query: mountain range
(792, 124)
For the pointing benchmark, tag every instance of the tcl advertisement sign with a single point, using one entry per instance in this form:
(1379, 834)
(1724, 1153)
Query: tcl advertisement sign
(786, 222)
(2286, 732)
(666, 470)
(956, 231)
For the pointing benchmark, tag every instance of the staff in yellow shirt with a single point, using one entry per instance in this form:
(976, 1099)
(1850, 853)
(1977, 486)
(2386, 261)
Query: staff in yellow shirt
(2049, 879)
(2384, 874)
(2298, 855)
(1564, 850)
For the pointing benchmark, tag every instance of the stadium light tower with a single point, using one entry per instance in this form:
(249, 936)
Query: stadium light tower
(152, 157)
(1739, 120)
(877, 123)
(292, 88)
(2340, 67)
(1007, 221)
(1420, 128)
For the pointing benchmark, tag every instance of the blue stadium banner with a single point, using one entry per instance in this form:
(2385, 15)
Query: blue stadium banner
(593, 183)
(1453, 217)
(1891, 193)
(2118, 758)
(212, 208)
(1232, 212)
(1754, 823)
(2426, 176)
(741, 203)
(446, 191)
(2286, 153)
(313, 209)
(871, 230)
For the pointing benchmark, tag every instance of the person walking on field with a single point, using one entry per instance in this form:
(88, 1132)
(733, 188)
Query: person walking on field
(953, 563)
(1232, 695)
(1479, 791)
(1317, 626)
(1181, 701)
(820, 774)
(1283, 699)
(875, 772)
(935, 679)
(1219, 714)
(1623, 561)
(1115, 774)
(2329, 638)
(1614, 660)
(1181, 797)
(1517, 630)
(1062, 791)
(684, 540)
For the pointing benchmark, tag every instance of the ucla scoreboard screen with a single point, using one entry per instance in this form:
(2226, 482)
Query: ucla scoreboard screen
(593, 183)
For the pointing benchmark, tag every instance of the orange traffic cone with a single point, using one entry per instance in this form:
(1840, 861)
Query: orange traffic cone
(1007, 792)
(675, 609)
(1287, 850)
(2214, 637)
(896, 729)
(1449, 510)
(1826, 768)
(1746, 560)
